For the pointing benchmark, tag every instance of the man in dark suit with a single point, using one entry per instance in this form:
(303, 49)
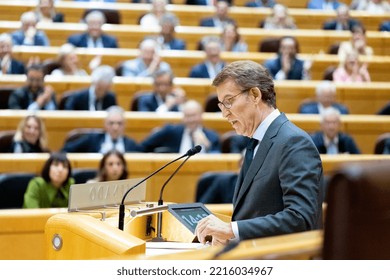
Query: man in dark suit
(94, 37)
(98, 96)
(8, 64)
(162, 98)
(113, 138)
(343, 20)
(278, 188)
(167, 39)
(179, 138)
(287, 66)
(330, 140)
(385, 26)
(216, 187)
(213, 63)
(221, 17)
(34, 95)
(326, 97)
(28, 34)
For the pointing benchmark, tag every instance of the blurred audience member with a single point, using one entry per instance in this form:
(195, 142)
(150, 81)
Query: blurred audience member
(213, 62)
(28, 34)
(167, 38)
(279, 19)
(351, 70)
(153, 18)
(109, 1)
(326, 97)
(94, 37)
(260, 3)
(385, 110)
(51, 189)
(30, 136)
(162, 99)
(343, 20)
(112, 167)
(98, 96)
(330, 140)
(371, 6)
(46, 12)
(287, 66)
(8, 64)
(34, 95)
(69, 62)
(384, 26)
(323, 4)
(357, 43)
(147, 63)
(220, 18)
(113, 138)
(386, 148)
(204, 2)
(179, 138)
(231, 39)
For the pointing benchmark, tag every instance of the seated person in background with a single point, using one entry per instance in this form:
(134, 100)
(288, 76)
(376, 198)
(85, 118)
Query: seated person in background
(46, 12)
(51, 189)
(343, 20)
(110, 1)
(220, 18)
(147, 63)
(351, 70)
(261, 3)
(213, 62)
(30, 136)
(69, 62)
(162, 98)
(330, 140)
(287, 66)
(35, 95)
(357, 43)
(385, 110)
(179, 138)
(113, 138)
(371, 6)
(112, 167)
(28, 34)
(153, 18)
(166, 39)
(8, 64)
(231, 40)
(323, 4)
(94, 37)
(203, 2)
(326, 97)
(386, 149)
(279, 19)
(98, 96)
(384, 26)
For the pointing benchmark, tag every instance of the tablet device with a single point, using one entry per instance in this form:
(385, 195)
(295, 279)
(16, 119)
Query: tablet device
(189, 214)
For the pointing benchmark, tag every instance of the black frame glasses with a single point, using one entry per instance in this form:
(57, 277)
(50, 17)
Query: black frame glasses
(228, 103)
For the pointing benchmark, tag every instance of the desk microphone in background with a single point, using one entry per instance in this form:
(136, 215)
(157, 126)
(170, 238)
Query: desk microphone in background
(188, 154)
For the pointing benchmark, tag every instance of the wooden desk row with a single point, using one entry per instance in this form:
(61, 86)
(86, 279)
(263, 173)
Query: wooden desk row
(181, 62)
(366, 98)
(190, 15)
(182, 188)
(364, 128)
(129, 36)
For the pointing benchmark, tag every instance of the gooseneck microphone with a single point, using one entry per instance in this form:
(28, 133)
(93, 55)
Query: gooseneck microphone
(188, 154)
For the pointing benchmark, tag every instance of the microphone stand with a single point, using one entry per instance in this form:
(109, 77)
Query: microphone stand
(159, 237)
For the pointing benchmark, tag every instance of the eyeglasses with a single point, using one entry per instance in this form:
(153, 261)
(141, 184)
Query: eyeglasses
(228, 103)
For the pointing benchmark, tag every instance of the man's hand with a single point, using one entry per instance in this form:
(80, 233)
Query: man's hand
(46, 96)
(220, 231)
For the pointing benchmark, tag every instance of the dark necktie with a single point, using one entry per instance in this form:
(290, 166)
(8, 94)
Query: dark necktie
(250, 148)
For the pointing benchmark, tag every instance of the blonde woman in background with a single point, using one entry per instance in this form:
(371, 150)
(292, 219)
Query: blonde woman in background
(352, 70)
(46, 12)
(279, 19)
(69, 62)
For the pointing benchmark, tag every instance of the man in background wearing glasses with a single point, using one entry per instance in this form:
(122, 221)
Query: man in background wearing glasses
(280, 191)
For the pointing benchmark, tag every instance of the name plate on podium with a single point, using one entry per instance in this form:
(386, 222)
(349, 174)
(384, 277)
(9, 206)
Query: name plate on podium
(104, 194)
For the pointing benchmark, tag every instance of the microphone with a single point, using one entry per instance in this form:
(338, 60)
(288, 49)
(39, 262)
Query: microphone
(189, 153)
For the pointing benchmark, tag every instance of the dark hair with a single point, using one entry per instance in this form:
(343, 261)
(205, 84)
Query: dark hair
(358, 28)
(248, 74)
(292, 38)
(102, 175)
(160, 73)
(56, 157)
(36, 67)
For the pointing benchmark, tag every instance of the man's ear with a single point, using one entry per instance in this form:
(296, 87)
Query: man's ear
(256, 93)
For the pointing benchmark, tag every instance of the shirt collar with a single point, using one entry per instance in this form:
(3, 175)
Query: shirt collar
(263, 127)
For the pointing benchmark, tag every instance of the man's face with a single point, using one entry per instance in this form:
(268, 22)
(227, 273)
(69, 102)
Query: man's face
(115, 125)
(35, 80)
(101, 89)
(94, 28)
(5, 49)
(327, 97)
(287, 47)
(147, 54)
(163, 85)
(331, 126)
(213, 52)
(243, 114)
(192, 117)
